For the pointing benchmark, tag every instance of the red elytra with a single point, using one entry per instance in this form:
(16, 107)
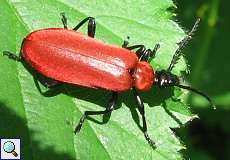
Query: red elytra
(72, 57)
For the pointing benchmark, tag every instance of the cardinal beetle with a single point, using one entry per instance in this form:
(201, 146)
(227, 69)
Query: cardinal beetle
(68, 56)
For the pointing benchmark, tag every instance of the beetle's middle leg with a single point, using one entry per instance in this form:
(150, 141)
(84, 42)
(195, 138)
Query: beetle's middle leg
(109, 109)
(142, 53)
(142, 112)
(91, 26)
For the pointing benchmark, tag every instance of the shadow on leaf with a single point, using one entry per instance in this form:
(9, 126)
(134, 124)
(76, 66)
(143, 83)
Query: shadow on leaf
(13, 126)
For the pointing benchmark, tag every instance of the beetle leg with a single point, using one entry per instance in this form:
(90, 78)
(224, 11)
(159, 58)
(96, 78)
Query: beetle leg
(142, 53)
(109, 109)
(141, 109)
(140, 48)
(64, 20)
(47, 82)
(50, 84)
(153, 52)
(12, 56)
(125, 42)
(147, 55)
(91, 26)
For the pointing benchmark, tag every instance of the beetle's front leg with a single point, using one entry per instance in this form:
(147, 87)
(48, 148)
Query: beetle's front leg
(142, 112)
(109, 109)
(141, 50)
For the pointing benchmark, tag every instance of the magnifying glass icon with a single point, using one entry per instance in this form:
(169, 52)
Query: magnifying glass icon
(9, 147)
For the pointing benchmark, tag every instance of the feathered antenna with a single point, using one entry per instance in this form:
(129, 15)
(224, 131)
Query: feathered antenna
(182, 44)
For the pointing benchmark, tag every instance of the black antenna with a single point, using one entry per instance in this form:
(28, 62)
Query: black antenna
(198, 92)
(182, 44)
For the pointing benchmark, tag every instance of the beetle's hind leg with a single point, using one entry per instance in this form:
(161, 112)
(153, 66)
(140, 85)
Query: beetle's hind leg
(47, 82)
(109, 109)
(12, 56)
(64, 20)
(51, 86)
(91, 26)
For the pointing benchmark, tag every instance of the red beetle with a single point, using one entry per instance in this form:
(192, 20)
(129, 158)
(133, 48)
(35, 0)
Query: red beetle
(68, 56)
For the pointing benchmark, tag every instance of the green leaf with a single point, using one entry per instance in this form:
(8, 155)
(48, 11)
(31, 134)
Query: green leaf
(208, 53)
(45, 124)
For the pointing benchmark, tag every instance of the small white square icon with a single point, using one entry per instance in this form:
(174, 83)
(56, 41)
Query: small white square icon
(10, 149)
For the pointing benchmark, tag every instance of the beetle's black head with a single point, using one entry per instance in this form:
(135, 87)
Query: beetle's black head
(165, 79)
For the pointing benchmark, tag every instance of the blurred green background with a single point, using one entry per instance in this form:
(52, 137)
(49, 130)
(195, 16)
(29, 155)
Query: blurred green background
(208, 56)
